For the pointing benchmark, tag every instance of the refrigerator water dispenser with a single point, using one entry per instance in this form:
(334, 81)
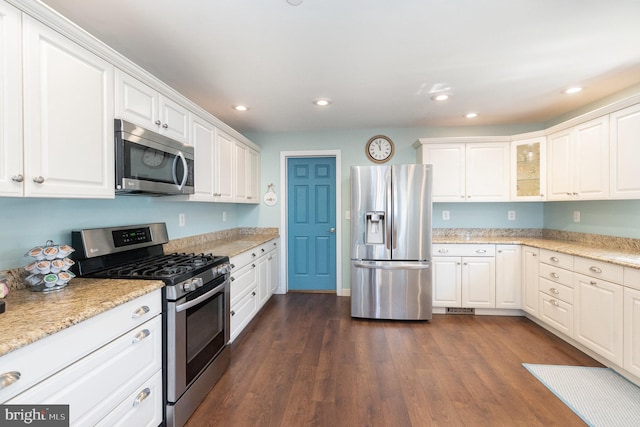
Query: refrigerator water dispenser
(374, 231)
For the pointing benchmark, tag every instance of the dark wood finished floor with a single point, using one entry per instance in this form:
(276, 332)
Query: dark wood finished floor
(303, 361)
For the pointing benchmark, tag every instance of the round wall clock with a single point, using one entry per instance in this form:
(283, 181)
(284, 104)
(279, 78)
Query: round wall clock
(379, 149)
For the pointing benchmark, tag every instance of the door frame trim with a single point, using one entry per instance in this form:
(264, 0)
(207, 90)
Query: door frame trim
(284, 155)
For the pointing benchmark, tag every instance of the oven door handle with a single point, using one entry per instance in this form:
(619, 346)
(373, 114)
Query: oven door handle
(203, 297)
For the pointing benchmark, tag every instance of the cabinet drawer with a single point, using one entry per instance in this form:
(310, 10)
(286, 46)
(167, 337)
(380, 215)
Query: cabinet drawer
(466, 249)
(243, 259)
(242, 312)
(601, 270)
(556, 313)
(556, 258)
(555, 274)
(141, 408)
(65, 347)
(242, 281)
(96, 384)
(556, 290)
(632, 277)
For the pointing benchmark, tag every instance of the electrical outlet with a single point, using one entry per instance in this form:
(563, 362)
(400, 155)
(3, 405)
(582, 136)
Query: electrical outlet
(347, 215)
(181, 220)
(224, 216)
(511, 215)
(576, 216)
(446, 216)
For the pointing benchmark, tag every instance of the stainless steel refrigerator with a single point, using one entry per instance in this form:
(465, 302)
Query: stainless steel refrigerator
(391, 242)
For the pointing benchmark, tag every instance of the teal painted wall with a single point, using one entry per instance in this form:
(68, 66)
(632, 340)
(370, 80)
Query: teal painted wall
(29, 222)
(609, 217)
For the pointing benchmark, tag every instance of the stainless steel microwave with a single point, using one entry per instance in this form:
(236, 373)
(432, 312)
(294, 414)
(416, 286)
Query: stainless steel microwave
(150, 163)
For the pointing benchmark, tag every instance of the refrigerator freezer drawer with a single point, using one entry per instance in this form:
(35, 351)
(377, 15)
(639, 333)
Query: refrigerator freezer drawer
(391, 290)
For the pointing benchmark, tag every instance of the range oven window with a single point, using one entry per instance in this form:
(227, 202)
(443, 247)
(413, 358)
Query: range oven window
(205, 334)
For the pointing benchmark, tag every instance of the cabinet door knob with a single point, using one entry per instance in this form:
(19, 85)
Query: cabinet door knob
(165, 126)
(9, 378)
(140, 311)
(141, 335)
(253, 293)
(554, 302)
(232, 278)
(233, 313)
(593, 283)
(158, 122)
(554, 259)
(141, 396)
(17, 178)
(38, 179)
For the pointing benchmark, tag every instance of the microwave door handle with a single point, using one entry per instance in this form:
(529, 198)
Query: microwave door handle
(184, 167)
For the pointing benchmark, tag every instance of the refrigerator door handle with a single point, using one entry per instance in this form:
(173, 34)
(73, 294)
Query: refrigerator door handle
(392, 265)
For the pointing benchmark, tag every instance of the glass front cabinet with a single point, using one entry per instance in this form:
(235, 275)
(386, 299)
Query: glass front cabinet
(528, 169)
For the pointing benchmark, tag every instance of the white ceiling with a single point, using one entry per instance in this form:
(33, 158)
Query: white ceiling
(377, 60)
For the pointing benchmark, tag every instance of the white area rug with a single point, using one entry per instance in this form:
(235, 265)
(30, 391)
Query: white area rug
(600, 396)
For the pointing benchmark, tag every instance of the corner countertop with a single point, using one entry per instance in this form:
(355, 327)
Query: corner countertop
(31, 316)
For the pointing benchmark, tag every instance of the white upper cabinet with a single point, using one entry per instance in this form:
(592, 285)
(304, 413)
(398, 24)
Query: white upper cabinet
(578, 162)
(11, 166)
(68, 117)
(529, 169)
(203, 138)
(625, 152)
(225, 170)
(467, 172)
(140, 104)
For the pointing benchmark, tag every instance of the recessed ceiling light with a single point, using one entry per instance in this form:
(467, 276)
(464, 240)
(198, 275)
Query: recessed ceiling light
(323, 102)
(240, 107)
(294, 2)
(471, 115)
(573, 90)
(440, 97)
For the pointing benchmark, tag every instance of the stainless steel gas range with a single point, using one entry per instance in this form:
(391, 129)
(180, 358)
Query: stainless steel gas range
(196, 314)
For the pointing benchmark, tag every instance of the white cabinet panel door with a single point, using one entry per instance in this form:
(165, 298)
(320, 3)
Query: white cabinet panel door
(225, 168)
(530, 270)
(625, 152)
(632, 331)
(11, 166)
(447, 282)
(68, 108)
(478, 282)
(508, 276)
(487, 172)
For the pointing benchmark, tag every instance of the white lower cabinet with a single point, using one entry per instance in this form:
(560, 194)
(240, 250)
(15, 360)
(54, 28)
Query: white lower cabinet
(465, 277)
(508, 276)
(599, 316)
(632, 329)
(252, 276)
(530, 280)
(96, 366)
(556, 313)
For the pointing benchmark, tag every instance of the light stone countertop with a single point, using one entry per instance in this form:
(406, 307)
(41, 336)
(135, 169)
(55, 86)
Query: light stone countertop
(227, 243)
(31, 316)
(626, 258)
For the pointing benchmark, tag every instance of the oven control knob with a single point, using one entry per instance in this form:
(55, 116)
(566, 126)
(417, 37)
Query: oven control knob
(224, 269)
(198, 282)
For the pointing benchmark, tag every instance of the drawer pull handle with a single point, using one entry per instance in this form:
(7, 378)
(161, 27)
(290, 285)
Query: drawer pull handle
(141, 335)
(261, 249)
(233, 313)
(443, 251)
(534, 254)
(595, 269)
(253, 294)
(9, 378)
(554, 291)
(554, 259)
(481, 251)
(554, 303)
(141, 396)
(253, 254)
(554, 275)
(141, 311)
(253, 266)
(593, 283)
(233, 266)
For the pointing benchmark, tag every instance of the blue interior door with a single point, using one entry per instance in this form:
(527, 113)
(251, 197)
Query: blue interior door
(311, 223)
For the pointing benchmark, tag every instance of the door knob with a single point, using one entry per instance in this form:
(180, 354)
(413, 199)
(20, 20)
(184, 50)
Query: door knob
(332, 230)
